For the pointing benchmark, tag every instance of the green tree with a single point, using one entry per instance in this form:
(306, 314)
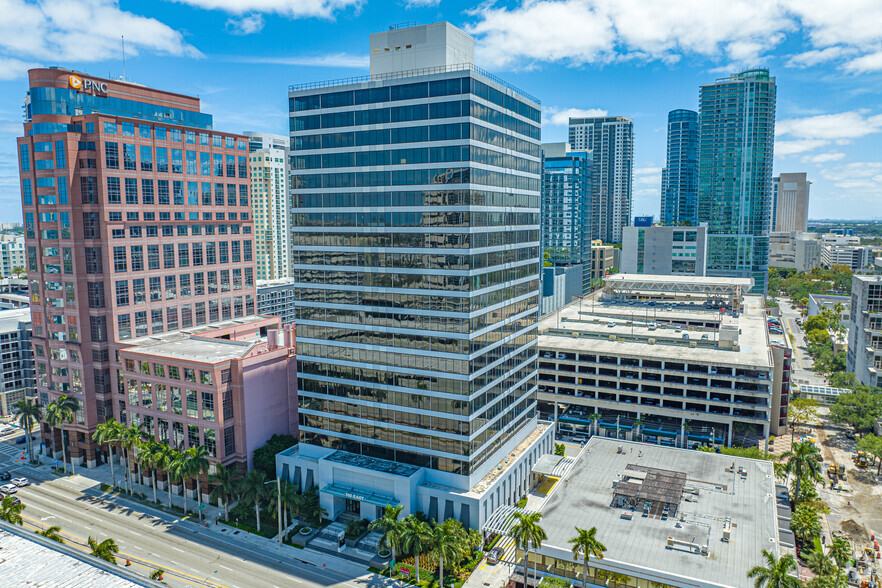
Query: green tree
(288, 496)
(818, 337)
(560, 449)
(842, 379)
(10, 510)
(29, 414)
(133, 437)
(801, 461)
(197, 464)
(448, 543)
(776, 573)
(264, 458)
(805, 522)
(165, 458)
(872, 445)
(179, 469)
(106, 550)
(416, 538)
(52, 533)
(802, 410)
(586, 546)
(820, 563)
(150, 453)
(391, 527)
(224, 481)
(840, 551)
(57, 413)
(815, 323)
(109, 433)
(252, 489)
(860, 409)
(312, 507)
(526, 531)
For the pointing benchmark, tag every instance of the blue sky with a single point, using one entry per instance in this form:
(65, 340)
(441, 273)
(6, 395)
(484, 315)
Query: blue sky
(634, 58)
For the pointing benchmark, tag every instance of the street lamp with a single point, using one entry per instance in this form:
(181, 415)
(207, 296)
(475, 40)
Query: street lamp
(279, 503)
(527, 563)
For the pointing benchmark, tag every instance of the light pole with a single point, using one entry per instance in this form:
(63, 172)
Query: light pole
(279, 503)
(527, 564)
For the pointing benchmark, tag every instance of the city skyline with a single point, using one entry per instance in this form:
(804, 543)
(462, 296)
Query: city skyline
(635, 72)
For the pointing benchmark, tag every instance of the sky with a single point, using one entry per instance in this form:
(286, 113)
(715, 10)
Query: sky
(633, 58)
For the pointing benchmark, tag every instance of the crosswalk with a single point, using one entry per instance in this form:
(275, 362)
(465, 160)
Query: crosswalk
(11, 453)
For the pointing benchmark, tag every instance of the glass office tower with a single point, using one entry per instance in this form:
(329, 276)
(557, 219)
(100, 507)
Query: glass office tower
(566, 208)
(736, 148)
(416, 260)
(679, 192)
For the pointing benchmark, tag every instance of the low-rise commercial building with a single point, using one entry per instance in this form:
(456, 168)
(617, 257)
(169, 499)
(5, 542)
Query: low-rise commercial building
(676, 369)
(864, 356)
(227, 386)
(664, 250)
(276, 298)
(818, 303)
(559, 286)
(17, 380)
(798, 250)
(667, 517)
(602, 259)
(854, 257)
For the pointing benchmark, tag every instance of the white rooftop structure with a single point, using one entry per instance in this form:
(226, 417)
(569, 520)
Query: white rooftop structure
(405, 48)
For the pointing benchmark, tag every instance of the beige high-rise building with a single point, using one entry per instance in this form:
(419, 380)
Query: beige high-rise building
(271, 213)
(790, 204)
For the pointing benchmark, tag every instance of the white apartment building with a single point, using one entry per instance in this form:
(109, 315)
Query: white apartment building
(16, 359)
(271, 212)
(793, 249)
(665, 361)
(845, 250)
(12, 254)
(864, 356)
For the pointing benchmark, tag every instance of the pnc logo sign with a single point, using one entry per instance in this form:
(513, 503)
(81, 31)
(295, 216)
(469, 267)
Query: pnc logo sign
(86, 85)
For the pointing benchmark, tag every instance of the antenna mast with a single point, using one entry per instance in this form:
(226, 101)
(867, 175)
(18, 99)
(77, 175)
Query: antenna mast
(123, 37)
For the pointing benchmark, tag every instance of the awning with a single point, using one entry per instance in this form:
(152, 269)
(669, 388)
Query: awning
(546, 464)
(360, 494)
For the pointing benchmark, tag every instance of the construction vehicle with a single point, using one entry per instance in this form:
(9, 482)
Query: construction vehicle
(832, 471)
(861, 459)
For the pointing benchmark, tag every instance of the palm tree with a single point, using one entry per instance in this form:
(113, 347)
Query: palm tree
(149, 455)
(177, 468)
(594, 418)
(252, 489)
(416, 537)
(840, 551)
(449, 542)
(638, 426)
(391, 527)
(801, 461)
(132, 437)
(164, 457)
(224, 481)
(820, 563)
(288, 496)
(10, 511)
(109, 433)
(197, 464)
(52, 533)
(57, 413)
(28, 414)
(776, 574)
(526, 531)
(106, 550)
(586, 545)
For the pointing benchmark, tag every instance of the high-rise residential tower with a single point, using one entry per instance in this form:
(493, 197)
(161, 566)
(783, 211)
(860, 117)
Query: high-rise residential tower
(790, 203)
(270, 205)
(138, 232)
(416, 203)
(736, 148)
(610, 139)
(679, 190)
(566, 207)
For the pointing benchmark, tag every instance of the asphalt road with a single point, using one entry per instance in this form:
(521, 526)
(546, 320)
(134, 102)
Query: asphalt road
(802, 364)
(153, 539)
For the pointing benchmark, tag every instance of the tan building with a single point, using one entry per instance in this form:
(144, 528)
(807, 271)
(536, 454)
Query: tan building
(791, 202)
(602, 258)
(271, 213)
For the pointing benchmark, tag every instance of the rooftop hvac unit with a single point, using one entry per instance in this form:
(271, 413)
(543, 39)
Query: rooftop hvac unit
(612, 337)
(652, 341)
(693, 344)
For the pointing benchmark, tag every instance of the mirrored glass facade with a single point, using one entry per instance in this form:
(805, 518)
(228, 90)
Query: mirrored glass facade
(736, 149)
(679, 191)
(416, 261)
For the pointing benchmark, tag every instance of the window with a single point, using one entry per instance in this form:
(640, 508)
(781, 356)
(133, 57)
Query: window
(120, 264)
(113, 191)
(27, 192)
(111, 155)
(93, 260)
(24, 157)
(155, 289)
(98, 328)
(137, 258)
(208, 406)
(109, 128)
(176, 400)
(171, 289)
(128, 129)
(89, 190)
(129, 159)
(146, 158)
(124, 326)
(191, 163)
(229, 440)
(122, 293)
(168, 255)
(144, 131)
(131, 186)
(139, 291)
(60, 156)
(162, 192)
(183, 255)
(192, 410)
(205, 378)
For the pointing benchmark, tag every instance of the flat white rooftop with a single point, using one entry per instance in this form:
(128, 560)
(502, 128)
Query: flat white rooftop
(713, 493)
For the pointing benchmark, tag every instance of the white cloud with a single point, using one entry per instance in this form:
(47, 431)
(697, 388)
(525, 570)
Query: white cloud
(818, 56)
(421, 3)
(555, 116)
(647, 176)
(286, 8)
(785, 148)
(866, 63)
(841, 126)
(740, 32)
(247, 25)
(332, 60)
(824, 157)
(78, 31)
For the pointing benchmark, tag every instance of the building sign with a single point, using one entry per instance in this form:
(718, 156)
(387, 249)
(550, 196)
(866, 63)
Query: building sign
(86, 85)
(356, 496)
(642, 221)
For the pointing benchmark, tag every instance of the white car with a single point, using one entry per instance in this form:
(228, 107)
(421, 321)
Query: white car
(9, 489)
(20, 482)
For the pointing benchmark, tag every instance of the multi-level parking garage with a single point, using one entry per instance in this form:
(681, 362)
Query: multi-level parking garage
(667, 374)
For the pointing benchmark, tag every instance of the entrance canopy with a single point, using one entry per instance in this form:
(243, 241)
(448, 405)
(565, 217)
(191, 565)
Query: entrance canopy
(360, 494)
(503, 519)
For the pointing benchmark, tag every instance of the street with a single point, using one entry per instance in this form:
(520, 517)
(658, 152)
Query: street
(152, 539)
(802, 362)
